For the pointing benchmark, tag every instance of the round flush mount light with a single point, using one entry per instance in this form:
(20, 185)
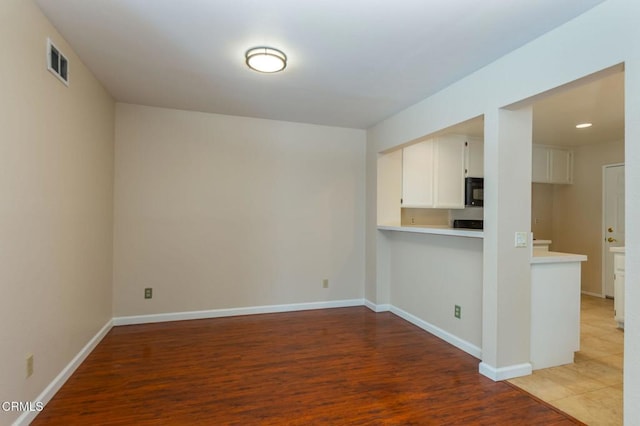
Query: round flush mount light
(266, 59)
(583, 125)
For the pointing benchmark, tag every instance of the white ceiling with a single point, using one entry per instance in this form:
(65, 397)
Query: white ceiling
(599, 101)
(352, 63)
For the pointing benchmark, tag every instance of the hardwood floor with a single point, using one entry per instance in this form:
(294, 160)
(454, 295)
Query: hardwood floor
(334, 367)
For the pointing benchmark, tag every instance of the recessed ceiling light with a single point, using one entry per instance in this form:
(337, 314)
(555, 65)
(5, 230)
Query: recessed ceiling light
(266, 59)
(583, 125)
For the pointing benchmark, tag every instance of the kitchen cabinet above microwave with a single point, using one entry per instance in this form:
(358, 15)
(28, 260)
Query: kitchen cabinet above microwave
(551, 164)
(474, 158)
(433, 173)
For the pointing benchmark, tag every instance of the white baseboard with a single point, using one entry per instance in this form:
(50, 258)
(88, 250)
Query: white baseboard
(377, 308)
(217, 313)
(438, 332)
(588, 293)
(53, 387)
(505, 373)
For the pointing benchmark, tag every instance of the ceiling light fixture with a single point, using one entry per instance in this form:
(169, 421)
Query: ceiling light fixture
(266, 59)
(583, 125)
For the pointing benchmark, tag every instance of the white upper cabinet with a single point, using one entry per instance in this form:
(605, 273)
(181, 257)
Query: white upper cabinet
(474, 158)
(389, 188)
(560, 165)
(449, 172)
(417, 175)
(551, 165)
(433, 173)
(618, 283)
(540, 164)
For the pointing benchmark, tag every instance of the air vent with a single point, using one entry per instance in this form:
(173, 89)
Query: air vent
(57, 62)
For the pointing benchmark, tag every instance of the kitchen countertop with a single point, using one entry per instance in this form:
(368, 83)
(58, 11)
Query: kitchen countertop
(541, 242)
(537, 257)
(616, 249)
(435, 229)
(556, 257)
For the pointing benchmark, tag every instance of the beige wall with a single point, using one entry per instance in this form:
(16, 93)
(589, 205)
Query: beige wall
(219, 212)
(577, 209)
(571, 215)
(56, 206)
(437, 217)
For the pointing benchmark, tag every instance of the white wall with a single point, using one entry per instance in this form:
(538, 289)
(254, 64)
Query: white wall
(217, 212)
(632, 241)
(601, 38)
(433, 273)
(56, 206)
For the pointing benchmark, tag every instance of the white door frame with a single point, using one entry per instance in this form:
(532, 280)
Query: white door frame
(603, 245)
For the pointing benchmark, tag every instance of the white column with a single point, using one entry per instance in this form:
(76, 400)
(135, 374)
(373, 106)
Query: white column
(632, 242)
(377, 256)
(506, 309)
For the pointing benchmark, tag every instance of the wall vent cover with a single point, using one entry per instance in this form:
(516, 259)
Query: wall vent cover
(57, 62)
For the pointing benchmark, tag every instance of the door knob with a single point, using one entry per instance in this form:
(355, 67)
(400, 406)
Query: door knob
(610, 229)
(611, 239)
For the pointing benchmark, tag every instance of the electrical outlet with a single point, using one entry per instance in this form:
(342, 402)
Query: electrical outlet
(29, 365)
(148, 293)
(413, 220)
(457, 311)
(325, 283)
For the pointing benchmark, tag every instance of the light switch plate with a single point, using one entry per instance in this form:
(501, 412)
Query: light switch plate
(521, 239)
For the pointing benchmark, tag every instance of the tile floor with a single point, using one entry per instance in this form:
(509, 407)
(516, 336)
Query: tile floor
(590, 389)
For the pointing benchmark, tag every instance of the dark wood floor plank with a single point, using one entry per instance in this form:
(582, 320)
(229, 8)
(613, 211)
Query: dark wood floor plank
(334, 367)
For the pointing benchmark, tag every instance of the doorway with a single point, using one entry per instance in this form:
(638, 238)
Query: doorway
(570, 215)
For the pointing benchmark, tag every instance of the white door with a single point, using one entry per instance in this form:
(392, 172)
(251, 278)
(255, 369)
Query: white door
(613, 220)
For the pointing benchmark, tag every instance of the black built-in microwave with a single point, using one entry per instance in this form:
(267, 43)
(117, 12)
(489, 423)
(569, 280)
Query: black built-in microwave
(474, 192)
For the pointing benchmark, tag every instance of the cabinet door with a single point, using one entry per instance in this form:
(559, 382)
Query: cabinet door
(618, 300)
(417, 175)
(449, 172)
(540, 164)
(560, 164)
(618, 287)
(389, 187)
(474, 158)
